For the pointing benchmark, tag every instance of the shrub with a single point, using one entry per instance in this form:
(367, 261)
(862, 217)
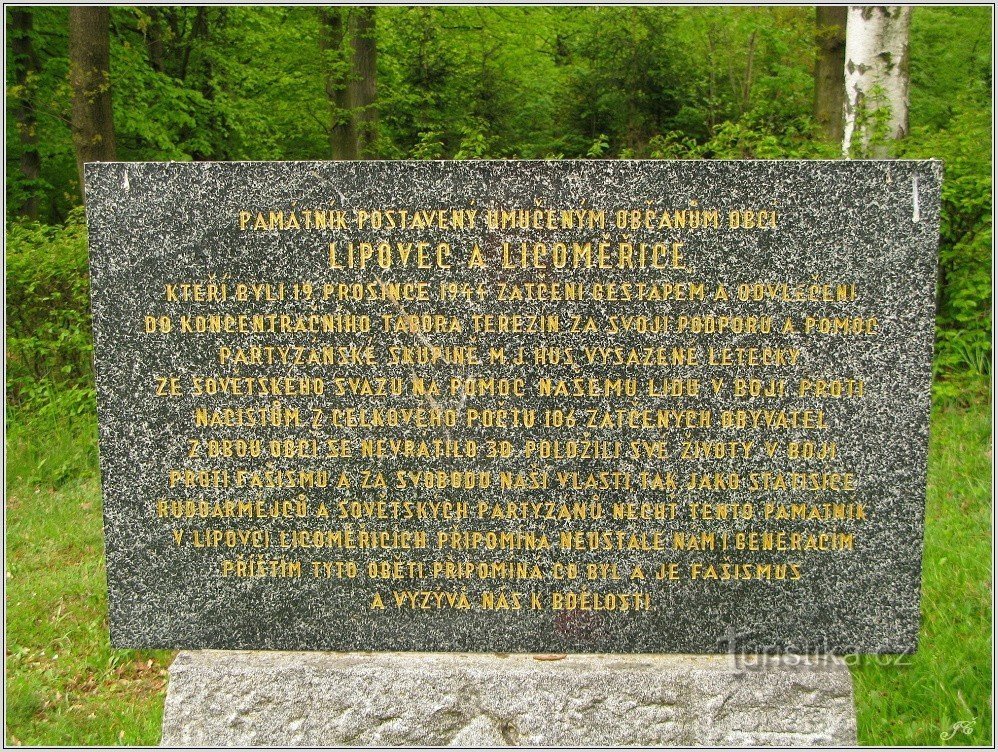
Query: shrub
(49, 341)
(963, 316)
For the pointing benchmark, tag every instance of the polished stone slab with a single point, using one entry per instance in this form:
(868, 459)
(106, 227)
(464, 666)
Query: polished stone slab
(748, 335)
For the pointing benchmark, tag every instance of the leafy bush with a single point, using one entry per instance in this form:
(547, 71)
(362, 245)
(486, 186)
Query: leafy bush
(49, 343)
(963, 321)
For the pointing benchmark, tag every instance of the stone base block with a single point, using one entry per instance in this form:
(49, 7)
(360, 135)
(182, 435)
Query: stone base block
(392, 699)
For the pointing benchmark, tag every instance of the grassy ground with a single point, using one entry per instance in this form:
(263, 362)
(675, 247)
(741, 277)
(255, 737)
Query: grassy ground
(66, 686)
(945, 689)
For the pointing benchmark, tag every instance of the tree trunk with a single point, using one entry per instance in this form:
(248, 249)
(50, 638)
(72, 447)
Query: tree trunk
(203, 72)
(90, 81)
(25, 65)
(363, 83)
(342, 139)
(154, 40)
(829, 70)
(876, 75)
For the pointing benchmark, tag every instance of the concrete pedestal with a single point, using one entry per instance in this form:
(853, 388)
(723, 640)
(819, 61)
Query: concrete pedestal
(436, 699)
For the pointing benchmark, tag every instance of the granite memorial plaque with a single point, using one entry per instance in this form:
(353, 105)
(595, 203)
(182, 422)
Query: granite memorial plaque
(568, 406)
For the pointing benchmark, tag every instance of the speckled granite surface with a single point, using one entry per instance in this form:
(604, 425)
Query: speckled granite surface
(649, 382)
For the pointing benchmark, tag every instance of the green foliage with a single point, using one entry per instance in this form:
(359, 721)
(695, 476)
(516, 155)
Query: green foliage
(745, 139)
(482, 79)
(48, 316)
(58, 185)
(474, 143)
(951, 115)
(429, 146)
(620, 86)
(599, 147)
(964, 325)
(162, 117)
(950, 58)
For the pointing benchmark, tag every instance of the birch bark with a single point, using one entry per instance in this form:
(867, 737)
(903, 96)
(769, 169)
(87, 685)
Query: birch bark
(876, 75)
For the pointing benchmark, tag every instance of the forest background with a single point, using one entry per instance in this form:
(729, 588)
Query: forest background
(299, 83)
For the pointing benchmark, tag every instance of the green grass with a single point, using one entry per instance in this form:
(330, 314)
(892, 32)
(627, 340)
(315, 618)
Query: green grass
(948, 681)
(67, 686)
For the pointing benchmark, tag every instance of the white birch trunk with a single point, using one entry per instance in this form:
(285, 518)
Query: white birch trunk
(876, 74)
